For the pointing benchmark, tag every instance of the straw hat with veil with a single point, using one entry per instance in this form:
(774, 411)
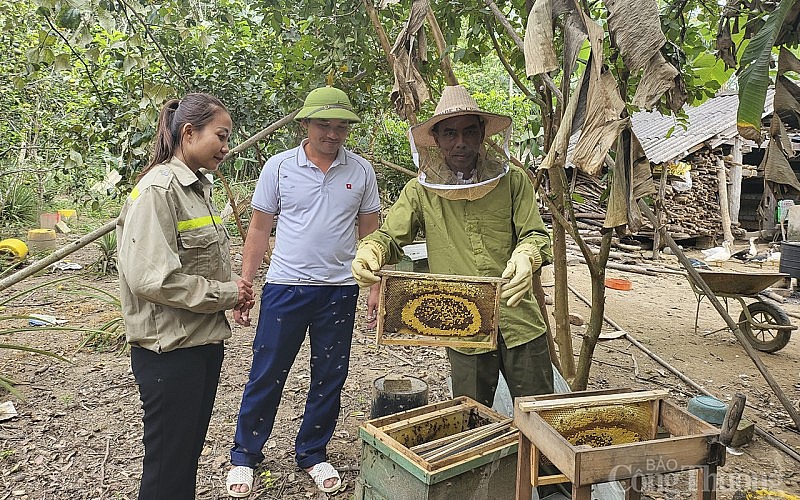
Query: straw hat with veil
(435, 174)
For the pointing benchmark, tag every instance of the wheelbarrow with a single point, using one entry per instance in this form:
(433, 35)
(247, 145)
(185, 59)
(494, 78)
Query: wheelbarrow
(765, 325)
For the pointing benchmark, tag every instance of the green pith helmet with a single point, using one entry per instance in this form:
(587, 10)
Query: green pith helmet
(327, 103)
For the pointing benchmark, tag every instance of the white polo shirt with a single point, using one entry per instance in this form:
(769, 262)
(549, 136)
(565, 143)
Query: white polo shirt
(315, 239)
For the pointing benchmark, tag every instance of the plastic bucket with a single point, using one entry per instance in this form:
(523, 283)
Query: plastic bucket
(790, 258)
(387, 400)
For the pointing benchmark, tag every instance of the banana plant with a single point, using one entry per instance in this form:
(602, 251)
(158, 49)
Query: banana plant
(755, 64)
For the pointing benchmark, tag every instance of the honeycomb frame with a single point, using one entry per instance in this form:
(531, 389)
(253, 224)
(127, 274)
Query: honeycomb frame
(425, 309)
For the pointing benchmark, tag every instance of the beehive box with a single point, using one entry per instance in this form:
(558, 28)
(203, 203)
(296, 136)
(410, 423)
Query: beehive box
(442, 451)
(438, 310)
(600, 436)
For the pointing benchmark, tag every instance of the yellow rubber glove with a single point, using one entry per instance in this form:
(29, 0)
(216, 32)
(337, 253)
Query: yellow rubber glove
(368, 260)
(523, 262)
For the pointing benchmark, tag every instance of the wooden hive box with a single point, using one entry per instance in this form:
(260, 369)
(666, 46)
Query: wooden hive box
(426, 309)
(441, 451)
(649, 435)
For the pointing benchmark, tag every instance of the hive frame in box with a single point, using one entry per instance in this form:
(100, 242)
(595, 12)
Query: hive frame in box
(488, 340)
(393, 449)
(691, 444)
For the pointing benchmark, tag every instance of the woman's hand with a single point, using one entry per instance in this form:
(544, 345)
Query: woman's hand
(241, 311)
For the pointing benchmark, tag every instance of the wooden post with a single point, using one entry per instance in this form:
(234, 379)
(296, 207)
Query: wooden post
(662, 186)
(735, 191)
(722, 187)
(524, 451)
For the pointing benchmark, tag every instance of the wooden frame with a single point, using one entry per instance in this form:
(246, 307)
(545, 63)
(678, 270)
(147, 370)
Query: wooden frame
(692, 444)
(441, 421)
(485, 340)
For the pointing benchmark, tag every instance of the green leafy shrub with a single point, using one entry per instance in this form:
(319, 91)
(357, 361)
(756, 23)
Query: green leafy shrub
(18, 204)
(106, 263)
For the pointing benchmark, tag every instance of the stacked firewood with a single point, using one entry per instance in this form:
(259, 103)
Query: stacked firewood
(689, 214)
(695, 212)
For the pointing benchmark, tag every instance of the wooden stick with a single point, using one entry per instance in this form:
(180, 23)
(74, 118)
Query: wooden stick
(58, 255)
(436, 443)
(733, 325)
(585, 401)
(486, 443)
(469, 437)
(425, 450)
(724, 208)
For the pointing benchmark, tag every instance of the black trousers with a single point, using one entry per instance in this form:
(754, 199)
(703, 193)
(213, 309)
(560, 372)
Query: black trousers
(526, 368)
(177, 390)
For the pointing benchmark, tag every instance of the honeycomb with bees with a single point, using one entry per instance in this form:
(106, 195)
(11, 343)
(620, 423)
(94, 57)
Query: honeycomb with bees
(434, 309)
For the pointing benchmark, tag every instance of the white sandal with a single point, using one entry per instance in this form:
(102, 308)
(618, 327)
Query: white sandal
(323, 471)
(240, 475)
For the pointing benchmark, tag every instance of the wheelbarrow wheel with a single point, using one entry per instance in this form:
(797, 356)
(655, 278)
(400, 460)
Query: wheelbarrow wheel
(765, 340)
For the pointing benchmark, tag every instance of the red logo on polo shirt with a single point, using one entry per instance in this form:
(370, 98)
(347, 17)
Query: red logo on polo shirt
(349, 186)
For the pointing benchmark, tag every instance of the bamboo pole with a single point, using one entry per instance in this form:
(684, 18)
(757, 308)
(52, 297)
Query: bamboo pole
(57, 255)
(260, 135)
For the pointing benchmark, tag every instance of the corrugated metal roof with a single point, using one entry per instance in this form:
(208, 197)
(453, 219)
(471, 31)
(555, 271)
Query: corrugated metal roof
(714, 122)
(714, 119)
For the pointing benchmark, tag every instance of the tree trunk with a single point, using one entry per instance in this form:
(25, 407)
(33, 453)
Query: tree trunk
(563, 336)
(597, 268)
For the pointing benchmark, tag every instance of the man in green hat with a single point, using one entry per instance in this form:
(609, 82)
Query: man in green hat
(318, 190)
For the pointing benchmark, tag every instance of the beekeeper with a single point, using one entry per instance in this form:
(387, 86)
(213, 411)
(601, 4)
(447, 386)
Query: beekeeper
(480, 218)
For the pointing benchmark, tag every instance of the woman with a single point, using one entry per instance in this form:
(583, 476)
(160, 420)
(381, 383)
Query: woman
(175, 285)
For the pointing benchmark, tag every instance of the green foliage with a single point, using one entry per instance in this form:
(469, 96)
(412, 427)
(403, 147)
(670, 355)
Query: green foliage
(754, 67)
(267, 479)
(391, 144)
(88, 78)
(690, 30)
(18, 205)
(106, 263)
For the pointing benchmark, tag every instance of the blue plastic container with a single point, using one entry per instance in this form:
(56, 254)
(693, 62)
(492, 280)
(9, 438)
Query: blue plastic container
(708, 408)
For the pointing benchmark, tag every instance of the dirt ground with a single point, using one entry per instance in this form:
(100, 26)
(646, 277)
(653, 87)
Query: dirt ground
(78, 432)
